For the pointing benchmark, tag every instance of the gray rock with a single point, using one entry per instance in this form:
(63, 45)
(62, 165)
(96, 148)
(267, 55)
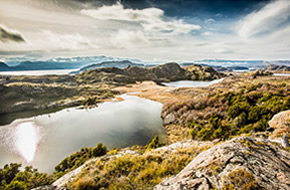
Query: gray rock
(49, 187)
(237, 162)
(280, 123)
(170, 118)
(284, 141)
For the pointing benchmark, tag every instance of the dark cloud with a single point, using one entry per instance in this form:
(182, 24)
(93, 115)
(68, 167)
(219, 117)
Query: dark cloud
(9, 36)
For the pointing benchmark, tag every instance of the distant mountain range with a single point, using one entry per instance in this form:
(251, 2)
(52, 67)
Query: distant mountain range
(93, 62)
(82, 63)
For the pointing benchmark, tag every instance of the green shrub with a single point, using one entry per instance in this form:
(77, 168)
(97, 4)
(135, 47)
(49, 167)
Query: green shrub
(78, 158)
(154, 143)
(99, 150)
(12, 178)
(241, 179)
(250, 109)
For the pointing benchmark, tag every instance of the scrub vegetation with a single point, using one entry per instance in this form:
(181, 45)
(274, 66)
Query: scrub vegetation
(222, 113)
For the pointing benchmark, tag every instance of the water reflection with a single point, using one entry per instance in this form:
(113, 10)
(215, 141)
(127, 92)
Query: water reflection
(26, 140)
(45, 140)
(190, 83)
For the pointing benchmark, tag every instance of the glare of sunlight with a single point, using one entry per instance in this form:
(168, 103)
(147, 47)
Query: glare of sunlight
(26, 140)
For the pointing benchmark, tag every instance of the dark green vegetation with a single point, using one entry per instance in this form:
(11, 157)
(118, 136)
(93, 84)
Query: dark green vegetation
(154, 143)
(11, 178)
(140, 170)
(79, 158)
(222, 113)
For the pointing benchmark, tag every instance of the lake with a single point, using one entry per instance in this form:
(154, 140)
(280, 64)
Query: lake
(189, 83)
(282, 74)
(45, 140)
(38, 72)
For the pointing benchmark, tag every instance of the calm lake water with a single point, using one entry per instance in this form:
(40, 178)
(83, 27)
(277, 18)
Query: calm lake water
(45, 140)
(189, 83)
(38, 72)
(282, 74)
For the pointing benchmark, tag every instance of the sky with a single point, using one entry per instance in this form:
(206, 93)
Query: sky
(156, 30)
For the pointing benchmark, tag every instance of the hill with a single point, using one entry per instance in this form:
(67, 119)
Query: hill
(118, 64)
(3, 67)
(161, 73)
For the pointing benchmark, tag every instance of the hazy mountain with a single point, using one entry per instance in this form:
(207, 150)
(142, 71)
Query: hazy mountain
(118, 64)
(91, 62)
(3, 67)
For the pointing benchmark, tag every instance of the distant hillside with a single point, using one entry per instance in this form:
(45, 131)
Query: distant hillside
(276, 68)
(45, 65)
(161, 73)
(3, 67)
(118, 64)
(218, 68)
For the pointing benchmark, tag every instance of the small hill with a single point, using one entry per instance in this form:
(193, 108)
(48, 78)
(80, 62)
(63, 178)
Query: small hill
(3, 67)
(161, 73)
(118, 64)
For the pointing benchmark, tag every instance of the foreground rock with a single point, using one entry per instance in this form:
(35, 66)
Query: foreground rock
(280, 123)
(242, 163)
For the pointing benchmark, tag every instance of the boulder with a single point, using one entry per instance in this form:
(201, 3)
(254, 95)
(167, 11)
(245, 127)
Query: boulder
(280, 124)
(242, 163)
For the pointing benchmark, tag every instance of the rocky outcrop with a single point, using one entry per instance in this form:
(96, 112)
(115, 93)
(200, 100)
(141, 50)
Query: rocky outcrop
(276, 68)
(242, 163)
(280, 124)
(49, 187)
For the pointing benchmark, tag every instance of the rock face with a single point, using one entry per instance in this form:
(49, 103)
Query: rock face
(280, 123)
(242, 163)
(276, 68)
(49, 187)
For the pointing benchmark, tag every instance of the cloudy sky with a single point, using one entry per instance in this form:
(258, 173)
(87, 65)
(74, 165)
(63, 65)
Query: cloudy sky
(180, 30)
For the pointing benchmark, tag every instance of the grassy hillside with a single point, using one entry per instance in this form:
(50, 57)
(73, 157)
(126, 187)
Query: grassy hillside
(237, 105)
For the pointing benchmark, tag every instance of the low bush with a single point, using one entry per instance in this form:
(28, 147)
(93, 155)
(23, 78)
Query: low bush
(11, 178)
(78, 158)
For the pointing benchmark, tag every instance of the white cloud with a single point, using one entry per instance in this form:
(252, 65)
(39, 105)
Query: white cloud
(116, 31)
(207, 33)
(223, 50)
(172, 27)
(118, 12)
(209, 21)
(151, 19)
(266, 19)
(129, 39)
(72, 41)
